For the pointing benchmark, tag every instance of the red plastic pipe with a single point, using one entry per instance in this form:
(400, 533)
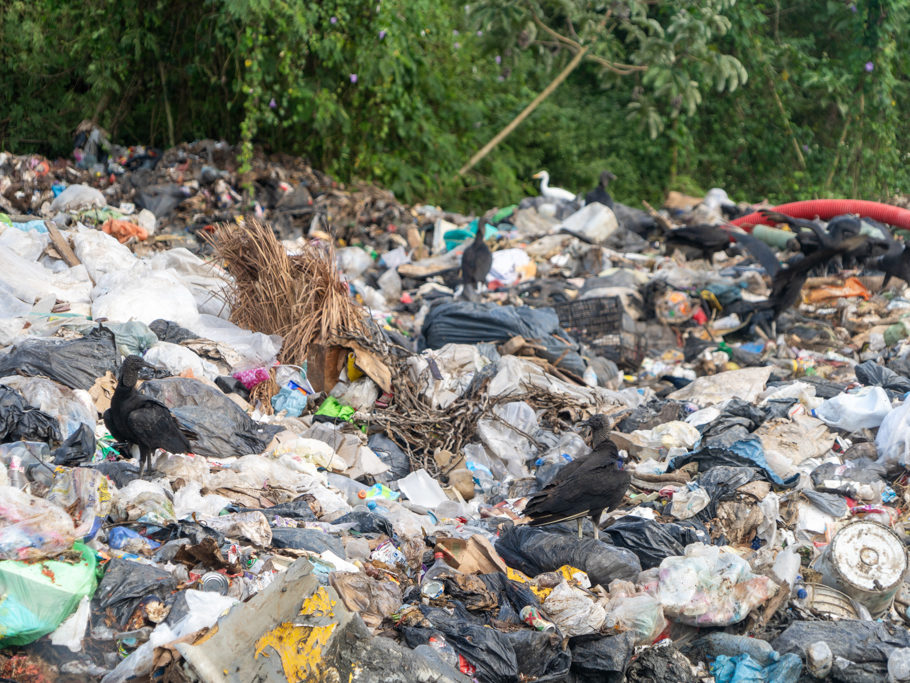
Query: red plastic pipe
(829, 208)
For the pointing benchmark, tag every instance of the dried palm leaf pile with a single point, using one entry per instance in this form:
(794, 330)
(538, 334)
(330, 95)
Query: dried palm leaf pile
(300, 297)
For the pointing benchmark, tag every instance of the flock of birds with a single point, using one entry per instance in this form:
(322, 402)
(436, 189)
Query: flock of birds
(596, 482)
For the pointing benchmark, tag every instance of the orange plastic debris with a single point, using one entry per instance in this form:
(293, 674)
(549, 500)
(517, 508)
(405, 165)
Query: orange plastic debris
(851, 287)
(123, 230)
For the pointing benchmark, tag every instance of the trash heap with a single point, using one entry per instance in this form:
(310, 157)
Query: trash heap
(366, 439)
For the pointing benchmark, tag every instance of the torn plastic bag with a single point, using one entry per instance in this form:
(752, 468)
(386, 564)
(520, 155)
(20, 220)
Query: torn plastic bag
(221, 425)
(77, 363)
(32, 528)
(121, 472)
(168, 331)
(86, 494)
(132, 337)
(488, 649)
(193, 531)
(743, 669)
(486, 592)
(367, 523)
(299, 508)
(38, 596)
(574, 610)
(534, 551)
(829, 503)
(373, 599)
(540, 655)
(463, 322)
(391, 454)
(859, 479)
(314, 540)
(126, 584)
(745, 453)
(651, 541)
(71, 408)
(21, 422)
(660, 663)
(857, 641)
(871, 373)
(79, 447)
(601, 659)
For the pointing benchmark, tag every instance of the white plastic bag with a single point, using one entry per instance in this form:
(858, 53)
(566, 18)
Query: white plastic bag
(641, 614)
(77, 197)
(145, 295)
(574, 611)
(504, 439)
(893, 438)
(853, 411)
(177, 359)
(71, 631)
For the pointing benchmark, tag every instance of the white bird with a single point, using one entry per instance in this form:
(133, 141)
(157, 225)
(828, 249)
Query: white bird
(554, 193)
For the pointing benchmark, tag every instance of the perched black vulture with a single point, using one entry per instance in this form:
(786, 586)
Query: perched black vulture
(705, 240)
(585, 487)
(476, 262)
(600, 193)
(137, 419)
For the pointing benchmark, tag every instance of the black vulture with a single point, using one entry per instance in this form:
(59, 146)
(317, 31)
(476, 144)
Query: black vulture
(476, 262)
(599, 193)
(703, 239)
(585, 487)
(141, 420)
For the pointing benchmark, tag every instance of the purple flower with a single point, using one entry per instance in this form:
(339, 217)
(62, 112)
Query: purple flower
(852, 7)
(272, 103)
(457, 45)
(382, 34)
(498, 59)
(479, 33)
(353, 78)
(869, 66)
(805, 148)
(334, 20)
(454, 31)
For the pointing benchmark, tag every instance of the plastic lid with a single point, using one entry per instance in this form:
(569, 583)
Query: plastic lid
(869, 556)
(362, 493)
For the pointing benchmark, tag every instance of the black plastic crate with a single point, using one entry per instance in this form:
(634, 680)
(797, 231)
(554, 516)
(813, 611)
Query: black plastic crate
(598, 323)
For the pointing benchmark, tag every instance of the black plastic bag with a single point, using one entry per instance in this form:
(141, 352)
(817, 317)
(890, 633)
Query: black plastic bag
(465, 322)
(223, 429)
(121, 472)
(77, 363)
(126, 584)
(829, 503)
(168, 331)
(161, 200)
(298, 508)
(193, 531)
(858, 641)
(366, 522)
(534, 551)
(20, 422)
(871, 373)
(601, 659)
(314, 540)
(79, 447)
(488, 649)
(540, 655)
(660, 664)
(651, 541)
(390, 454)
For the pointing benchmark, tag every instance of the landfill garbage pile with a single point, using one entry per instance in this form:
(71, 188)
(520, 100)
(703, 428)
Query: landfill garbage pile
(642, 446)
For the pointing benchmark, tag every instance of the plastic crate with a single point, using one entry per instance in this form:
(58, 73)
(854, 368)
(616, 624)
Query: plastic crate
(598, 323)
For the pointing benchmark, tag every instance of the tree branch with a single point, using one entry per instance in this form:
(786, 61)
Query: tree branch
(621, 69)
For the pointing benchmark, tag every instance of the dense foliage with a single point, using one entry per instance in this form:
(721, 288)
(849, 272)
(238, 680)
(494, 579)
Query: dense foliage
(782, 99)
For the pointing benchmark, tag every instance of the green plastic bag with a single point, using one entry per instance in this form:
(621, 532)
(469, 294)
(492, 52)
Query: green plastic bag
(333, 408)
(35, 598)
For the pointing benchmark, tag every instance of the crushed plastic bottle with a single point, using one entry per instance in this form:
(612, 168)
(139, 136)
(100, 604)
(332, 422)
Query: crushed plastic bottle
(431, 585)
(819, 659)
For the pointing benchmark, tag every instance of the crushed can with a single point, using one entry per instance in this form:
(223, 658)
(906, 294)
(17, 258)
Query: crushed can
(531, 616)
(866, 561)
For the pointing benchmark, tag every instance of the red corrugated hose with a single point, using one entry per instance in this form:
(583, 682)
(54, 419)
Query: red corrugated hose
(829, 208)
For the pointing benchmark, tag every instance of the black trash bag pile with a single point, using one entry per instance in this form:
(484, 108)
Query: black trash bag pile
(21, 422)
(126, 584)
(77, 363)
(534, 551)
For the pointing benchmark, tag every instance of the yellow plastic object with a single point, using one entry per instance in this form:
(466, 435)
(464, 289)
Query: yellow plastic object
(354, 373)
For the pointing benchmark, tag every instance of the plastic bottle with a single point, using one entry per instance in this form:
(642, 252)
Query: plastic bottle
(483, 477)
(353, 491)
(899, 665)
(819, 659)
(431, 585)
